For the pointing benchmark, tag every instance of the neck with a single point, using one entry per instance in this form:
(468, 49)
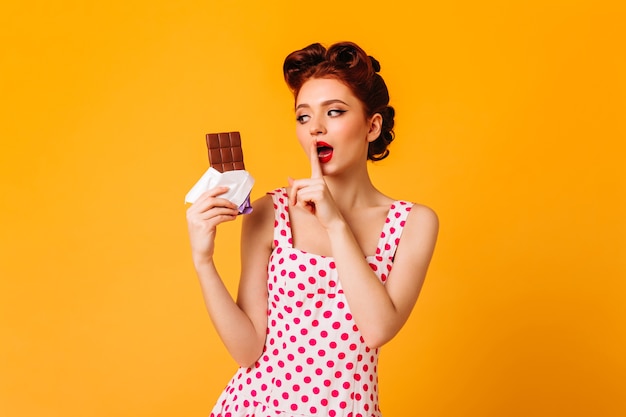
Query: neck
(352, 191)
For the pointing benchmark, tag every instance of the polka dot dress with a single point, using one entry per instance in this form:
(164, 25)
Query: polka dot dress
(315, 362)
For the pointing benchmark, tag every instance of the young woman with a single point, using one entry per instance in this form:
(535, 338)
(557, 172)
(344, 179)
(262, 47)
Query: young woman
(331, 266)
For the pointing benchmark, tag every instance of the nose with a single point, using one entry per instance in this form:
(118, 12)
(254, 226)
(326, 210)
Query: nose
(317, 128)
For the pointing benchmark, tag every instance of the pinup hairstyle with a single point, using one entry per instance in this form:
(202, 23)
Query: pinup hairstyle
(348, 63)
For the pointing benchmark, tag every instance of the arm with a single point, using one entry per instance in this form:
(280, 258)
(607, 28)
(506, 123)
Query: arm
(241, 325)
(380, 310)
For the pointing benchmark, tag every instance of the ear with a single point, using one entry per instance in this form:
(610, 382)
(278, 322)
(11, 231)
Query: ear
(375, 127)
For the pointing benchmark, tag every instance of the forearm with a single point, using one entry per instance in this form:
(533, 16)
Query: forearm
(371, 306)
(242, 340)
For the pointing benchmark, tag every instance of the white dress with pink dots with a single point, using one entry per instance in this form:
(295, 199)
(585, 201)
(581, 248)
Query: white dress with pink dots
(315, 362)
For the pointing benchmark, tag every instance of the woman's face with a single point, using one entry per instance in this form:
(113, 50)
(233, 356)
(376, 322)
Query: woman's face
(327, 112)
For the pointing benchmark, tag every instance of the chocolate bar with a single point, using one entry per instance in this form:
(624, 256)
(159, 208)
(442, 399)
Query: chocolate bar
(225, 153)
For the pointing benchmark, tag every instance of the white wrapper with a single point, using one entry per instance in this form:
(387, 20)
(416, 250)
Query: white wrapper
(239, 182)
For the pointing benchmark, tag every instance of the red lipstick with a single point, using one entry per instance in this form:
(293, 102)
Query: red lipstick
(324, 152)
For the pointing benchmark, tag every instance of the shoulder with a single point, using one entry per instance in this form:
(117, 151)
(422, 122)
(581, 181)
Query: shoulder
(262, 213)
(262, 207)
(421, 228)
(419, 216)
(423, 214)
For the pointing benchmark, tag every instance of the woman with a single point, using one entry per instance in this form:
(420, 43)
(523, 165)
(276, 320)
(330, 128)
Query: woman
(318, 295)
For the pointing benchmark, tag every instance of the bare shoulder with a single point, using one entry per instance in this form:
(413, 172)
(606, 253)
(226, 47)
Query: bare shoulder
(263, 206)
(261, 220)
(420, 231)
(424, 216)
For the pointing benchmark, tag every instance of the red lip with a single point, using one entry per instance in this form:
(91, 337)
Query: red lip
(324, 152)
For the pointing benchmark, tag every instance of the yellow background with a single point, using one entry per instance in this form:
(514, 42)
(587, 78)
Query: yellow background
(511, 124)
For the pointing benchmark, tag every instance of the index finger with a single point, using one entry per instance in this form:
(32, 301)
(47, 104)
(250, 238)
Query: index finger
(316, 167)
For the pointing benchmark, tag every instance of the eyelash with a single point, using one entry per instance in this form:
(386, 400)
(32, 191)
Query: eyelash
(336, 111)
(301, 118)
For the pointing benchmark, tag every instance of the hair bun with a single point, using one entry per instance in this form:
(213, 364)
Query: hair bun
(375, 64)
(344, 55)
(301, 61)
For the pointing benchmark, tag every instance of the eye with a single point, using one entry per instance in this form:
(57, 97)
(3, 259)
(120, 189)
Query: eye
(302, 118)
(336, 112)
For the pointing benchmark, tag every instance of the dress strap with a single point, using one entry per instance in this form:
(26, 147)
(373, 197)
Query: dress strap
(282, 225)
(394, 224)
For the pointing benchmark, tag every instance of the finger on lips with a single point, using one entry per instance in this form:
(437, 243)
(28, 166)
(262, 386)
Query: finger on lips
(316, 168)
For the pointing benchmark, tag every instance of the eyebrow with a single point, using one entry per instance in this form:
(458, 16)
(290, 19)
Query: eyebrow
(324, 103)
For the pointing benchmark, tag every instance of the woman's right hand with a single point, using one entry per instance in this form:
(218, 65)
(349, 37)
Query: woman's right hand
(203, 216)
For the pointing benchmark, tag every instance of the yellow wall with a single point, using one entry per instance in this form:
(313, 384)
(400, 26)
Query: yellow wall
(511, 124)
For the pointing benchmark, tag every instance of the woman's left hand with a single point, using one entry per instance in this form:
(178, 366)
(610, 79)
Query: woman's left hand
(313, 194)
